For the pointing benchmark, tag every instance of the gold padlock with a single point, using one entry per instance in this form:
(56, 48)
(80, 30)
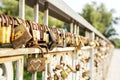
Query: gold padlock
(64, 74)
(2, 29)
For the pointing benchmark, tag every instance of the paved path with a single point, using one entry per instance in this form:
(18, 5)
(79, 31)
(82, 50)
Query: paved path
(114, 69)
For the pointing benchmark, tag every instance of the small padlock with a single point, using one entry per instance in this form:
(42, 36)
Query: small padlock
(60, 38)
(2, 29)
(77, 67)
(64, 74)
(85, 74)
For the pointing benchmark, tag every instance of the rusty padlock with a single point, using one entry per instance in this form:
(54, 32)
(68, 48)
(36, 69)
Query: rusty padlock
(77, 67)
(22, 36)
(36, 64)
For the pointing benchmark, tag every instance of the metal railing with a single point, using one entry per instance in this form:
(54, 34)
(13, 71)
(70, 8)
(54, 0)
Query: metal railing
(93, 61)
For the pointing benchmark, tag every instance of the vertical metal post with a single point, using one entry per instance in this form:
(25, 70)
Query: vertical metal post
(71, 30)
(71, 27)
(45, 21)
(74, 54)
(78, 30)
(36, 12)
(46, 12)
(73, 64)
(75, 29)
(8, 70)
(87, 34)
(92, 35)
(19, 70)
(22, 9)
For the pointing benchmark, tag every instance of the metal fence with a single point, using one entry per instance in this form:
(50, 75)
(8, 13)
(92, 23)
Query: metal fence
(87, 63)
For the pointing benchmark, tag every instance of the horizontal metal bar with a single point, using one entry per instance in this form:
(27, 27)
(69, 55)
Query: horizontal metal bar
(13, 52)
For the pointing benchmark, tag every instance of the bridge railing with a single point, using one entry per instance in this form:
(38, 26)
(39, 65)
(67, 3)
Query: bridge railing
(92, 62)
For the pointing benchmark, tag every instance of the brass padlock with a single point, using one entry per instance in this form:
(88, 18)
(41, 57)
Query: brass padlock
(65, 72)
(2, 29)
(68, 39)
(8, 29)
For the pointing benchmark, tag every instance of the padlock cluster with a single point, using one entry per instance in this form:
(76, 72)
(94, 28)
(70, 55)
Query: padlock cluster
(17, 33)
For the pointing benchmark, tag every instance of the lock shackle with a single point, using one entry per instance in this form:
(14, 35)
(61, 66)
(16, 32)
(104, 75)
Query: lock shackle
(19, 20)
(31, 28)
(6, 20)
(44, 46)
(2, 20)
(37, 46)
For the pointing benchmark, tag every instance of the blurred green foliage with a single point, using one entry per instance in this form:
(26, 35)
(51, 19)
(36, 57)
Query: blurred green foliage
(102, 20)
(98, 16)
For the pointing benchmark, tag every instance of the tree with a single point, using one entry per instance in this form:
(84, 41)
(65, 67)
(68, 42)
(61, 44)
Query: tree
(110, 32)
(98, 16)
(102, 20)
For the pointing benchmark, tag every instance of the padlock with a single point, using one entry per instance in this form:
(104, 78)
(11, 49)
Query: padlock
(53, 40)
(36, 64)
(2, 29)
(68, 39)
(65, 72)
(86, 74)
(36, 31)
(60, 38)
(22, 36)
(77, 67)
(46, 34)
(8, 29)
